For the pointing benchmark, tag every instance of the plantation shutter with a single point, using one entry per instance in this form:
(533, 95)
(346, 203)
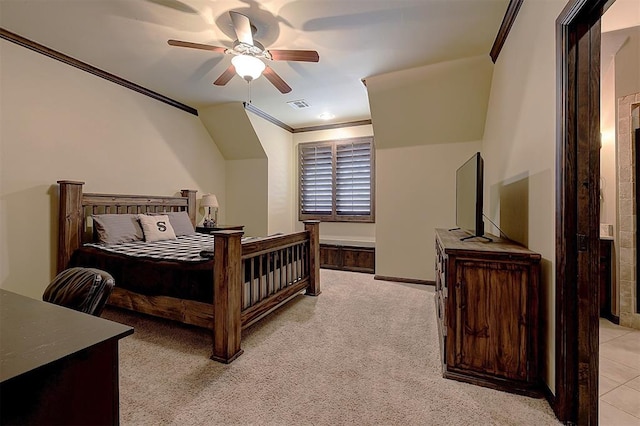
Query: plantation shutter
(336, 180)
(316, 180)
(353, 179)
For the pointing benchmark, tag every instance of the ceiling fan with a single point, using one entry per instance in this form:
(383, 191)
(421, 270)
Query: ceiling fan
(249, 54)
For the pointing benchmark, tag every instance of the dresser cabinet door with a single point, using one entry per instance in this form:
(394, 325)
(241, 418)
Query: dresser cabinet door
(490, 319)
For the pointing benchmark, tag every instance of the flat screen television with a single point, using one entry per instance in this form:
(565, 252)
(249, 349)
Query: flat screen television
(469, 187)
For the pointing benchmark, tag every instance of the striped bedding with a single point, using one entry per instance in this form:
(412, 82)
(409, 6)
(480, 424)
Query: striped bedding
(186, 248)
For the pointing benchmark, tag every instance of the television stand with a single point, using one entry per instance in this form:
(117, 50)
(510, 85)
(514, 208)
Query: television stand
(487, 302)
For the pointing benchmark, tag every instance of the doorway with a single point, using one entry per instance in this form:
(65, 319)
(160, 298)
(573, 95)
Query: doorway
(628, 174)
(636, 144)
(578, 210)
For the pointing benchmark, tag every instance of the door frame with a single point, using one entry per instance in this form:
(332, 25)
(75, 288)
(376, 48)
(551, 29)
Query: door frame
(577, 210)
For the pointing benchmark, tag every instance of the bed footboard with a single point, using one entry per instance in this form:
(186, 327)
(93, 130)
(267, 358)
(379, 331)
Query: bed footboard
(253, 279)
(276, 269)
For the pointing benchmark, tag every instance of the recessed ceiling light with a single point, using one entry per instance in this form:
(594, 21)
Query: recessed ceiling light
(326, 116)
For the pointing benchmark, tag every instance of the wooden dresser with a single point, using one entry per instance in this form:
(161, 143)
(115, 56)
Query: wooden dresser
(487, 297)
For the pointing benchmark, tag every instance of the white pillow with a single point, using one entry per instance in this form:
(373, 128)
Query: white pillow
(156, 228)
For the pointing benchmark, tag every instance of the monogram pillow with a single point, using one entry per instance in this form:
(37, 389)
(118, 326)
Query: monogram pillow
(180, 222)
(156, 228)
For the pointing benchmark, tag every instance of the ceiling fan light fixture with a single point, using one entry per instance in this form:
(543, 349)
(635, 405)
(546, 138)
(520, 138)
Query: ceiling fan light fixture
(248, 67)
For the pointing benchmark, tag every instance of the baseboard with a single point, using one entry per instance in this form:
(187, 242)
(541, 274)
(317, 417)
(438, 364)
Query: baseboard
(553, 403)
(550, 397)
(404, 280)
(610, 317)
(613, 318)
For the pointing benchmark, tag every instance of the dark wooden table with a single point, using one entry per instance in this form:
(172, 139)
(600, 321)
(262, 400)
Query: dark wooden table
(57, 365)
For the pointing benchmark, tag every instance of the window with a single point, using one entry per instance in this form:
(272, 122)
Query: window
(336, 180)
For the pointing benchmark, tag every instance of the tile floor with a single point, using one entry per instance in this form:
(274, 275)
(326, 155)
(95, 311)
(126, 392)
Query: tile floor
(619, 388)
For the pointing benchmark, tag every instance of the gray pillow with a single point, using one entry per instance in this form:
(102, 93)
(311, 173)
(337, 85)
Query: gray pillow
(180, 222)
(117, 228)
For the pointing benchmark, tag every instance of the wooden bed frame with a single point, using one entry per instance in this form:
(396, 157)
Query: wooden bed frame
(227, 317)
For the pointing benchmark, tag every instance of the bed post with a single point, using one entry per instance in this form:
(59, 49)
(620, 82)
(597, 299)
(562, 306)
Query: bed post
(227, 295)
(70, 221)
(190, 194)
(313, 228)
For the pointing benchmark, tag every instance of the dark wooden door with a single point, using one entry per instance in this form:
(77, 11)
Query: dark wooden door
(491, 312)
(577, 207)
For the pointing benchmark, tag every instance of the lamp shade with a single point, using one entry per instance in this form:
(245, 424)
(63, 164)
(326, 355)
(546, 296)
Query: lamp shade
(248, 67)
(209, 200)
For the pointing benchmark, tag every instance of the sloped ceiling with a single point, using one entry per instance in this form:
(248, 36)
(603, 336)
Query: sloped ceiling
(439, 103)
(232, 131)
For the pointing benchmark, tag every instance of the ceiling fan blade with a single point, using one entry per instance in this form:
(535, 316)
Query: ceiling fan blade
(225, 76)
(242, 26)
(197, 46)
(295, 55)
(275, 79)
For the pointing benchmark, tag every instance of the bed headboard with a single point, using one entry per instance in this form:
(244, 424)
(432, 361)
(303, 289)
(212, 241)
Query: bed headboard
(76, 206)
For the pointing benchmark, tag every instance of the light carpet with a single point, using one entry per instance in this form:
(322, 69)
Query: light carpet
(363, 352)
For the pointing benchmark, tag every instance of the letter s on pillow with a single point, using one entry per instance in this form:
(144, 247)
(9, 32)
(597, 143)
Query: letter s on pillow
(156, 228)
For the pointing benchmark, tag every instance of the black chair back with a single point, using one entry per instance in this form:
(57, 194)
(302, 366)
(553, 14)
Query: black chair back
(82, 289)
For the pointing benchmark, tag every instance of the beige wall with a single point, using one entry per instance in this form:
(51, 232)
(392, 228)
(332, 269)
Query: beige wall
(620, 76)
(519, 145)
(246, 168)
(278, 146)
(608, 195)
(427, 121)
(608, 163)
(259, 178)
(337, 231)
(622, 79)
(416, 191)
(628, 65)
(247, 192)
(57, 122)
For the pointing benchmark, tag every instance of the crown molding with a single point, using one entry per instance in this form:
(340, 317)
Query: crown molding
(54, 54)
(505, 27)
(332, 126)
(252, 108)
(257, 111)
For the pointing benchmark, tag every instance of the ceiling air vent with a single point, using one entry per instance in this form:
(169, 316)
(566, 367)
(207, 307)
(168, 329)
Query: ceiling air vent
(299, 104)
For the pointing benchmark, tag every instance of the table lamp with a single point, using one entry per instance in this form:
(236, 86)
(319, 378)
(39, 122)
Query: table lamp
(210, 201)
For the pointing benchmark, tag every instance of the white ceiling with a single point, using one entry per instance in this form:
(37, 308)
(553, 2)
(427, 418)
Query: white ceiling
(354, 38)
